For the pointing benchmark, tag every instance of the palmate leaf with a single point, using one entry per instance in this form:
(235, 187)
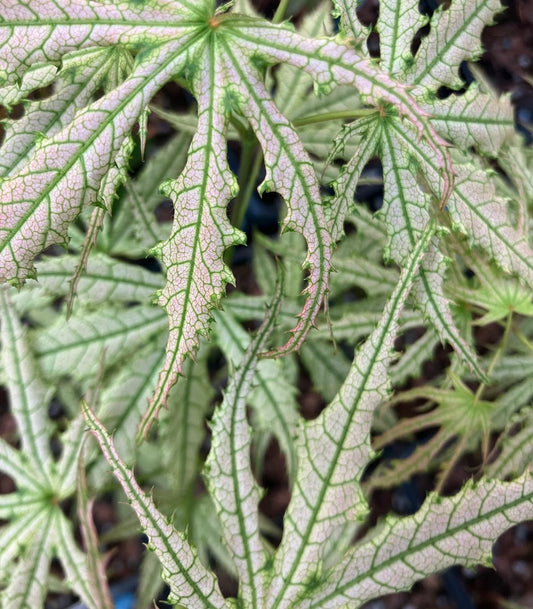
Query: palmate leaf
(36, 208)
(463, 419)
(221, 57)
(117, 111)
(36, 529)
(170, 39)
(412, 182)
(308, 569)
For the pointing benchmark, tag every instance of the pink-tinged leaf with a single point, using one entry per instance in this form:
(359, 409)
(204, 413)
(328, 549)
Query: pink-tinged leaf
(65, 173)
(193, 255)
(410, 182)
(454, 37)
(229, 473)
(444, 532)
(368, 133)
(81, 75)
(429, 295)
(95, 565)
(56, 28)
(473, 119)
(289, 171)
(327, 503)
(190, 582)
(36, 76)
(477, 210)
(330, 63)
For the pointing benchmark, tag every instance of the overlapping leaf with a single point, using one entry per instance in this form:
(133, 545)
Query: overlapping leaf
(36, 529)
(327, 502)
(188, 579)
(412, 174)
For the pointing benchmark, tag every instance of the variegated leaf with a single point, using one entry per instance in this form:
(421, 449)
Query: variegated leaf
(193, 254)
(188, 579)
(445, 531)
(272, 397)
(454, 37)
(327, 502)
(289, 172)
(229, 474)
(65, 172)
(398, 22)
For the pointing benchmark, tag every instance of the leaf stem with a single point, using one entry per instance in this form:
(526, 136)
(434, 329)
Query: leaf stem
(251, 158)
(524, 340)
(331, 116)
(497, 355)
(280, 11)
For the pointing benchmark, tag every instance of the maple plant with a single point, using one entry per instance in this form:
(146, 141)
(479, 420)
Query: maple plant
(449, 249)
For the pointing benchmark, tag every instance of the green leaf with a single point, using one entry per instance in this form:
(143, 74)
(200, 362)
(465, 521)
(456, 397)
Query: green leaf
(36, 531)
(123, 400)
(79, 345)
(106, 279)
(27, 392)
(182, 432)
(189, 581)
